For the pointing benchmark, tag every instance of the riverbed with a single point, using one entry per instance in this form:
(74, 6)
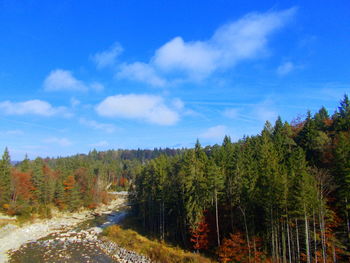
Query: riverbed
(80, 244)
(69, 238)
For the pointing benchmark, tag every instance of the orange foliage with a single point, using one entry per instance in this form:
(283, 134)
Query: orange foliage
(200, 235)
(22, 185)
(123, 181)
(235, 249)
(69, 183)
(297, 124)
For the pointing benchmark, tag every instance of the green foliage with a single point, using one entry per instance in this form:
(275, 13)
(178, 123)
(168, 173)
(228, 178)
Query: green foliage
(5, 179)
(288, 186)
(265, 184)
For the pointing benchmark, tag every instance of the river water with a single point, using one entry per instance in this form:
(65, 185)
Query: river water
(77, 245)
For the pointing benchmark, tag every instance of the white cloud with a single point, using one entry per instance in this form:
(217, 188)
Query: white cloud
(107, 57)
(106, 127)
(64, 142)
(34, 107)
(141, 72)
(231, 43)
(215, 133)
(100, 144)
(63, 80)
(60, 79)
(143, 107)
(285, 68)
(195, 58)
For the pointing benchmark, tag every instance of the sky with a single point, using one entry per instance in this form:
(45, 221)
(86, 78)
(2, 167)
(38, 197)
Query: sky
(79, 75)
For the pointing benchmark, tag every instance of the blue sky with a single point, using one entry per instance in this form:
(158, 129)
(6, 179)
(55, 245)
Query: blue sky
(78, 75)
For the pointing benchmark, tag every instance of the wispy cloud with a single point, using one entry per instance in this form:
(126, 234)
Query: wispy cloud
(107, 57)
(148, 108)
(63, 80)
(265, 111)
(106, 127)
(64, 142)
(214, 133)
(12, 132)
(32, 107)
(100, 144)
(74, 102)
(141, 72)
(195, 60)
(231, 113)
(178, 104)
(285, 68)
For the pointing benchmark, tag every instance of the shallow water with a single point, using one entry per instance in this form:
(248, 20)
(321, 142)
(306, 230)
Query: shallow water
(56, 249)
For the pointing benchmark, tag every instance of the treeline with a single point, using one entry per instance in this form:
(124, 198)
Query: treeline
(280, 196)
(34, 187)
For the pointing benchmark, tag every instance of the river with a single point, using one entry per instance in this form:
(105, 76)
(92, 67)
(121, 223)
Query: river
(80, 244)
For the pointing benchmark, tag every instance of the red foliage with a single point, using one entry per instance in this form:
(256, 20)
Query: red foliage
(123, 181)
(69, 183)
(200, 235)
(297, 124)
(235, 249)
(82, 176)
(22, 185)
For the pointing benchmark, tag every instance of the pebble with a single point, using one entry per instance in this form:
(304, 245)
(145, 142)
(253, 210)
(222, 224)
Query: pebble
(62, 247)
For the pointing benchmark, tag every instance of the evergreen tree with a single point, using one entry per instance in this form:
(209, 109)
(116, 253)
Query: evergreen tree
(342, 116)
(5, 179)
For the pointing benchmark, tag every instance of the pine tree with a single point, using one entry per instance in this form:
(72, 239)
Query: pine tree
(342, 116)
(5, 179)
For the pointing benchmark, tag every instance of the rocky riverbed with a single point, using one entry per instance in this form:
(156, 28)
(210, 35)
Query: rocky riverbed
(75, 246)
(67, 238)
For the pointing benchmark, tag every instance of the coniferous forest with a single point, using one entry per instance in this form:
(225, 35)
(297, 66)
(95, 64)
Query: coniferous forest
(280, 196)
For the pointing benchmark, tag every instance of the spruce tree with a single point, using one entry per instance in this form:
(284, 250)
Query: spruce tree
(5, 179)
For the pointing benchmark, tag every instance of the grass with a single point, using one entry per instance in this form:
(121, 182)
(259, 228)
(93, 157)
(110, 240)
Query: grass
(4, 222)
(156, 250)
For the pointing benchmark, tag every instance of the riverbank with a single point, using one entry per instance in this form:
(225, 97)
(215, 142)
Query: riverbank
(154, 250)
(12, 236)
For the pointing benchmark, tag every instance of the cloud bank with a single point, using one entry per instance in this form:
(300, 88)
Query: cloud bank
(148, 108)
(63, 80)
(230, 44)
(32, 107)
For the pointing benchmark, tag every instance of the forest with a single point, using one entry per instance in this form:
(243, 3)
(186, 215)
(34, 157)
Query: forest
(280, 196)
(35, 187)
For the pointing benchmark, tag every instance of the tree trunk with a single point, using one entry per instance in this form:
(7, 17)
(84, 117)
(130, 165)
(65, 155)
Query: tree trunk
(347, 218)
(247, 233)
(288, 239)
(315, 239)
(163, 223)
(278, 247)
(323, 236)
(294, 258)
(284, 249)
(298, 246)
(273, 240)
(217, 218)
(307, 247)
